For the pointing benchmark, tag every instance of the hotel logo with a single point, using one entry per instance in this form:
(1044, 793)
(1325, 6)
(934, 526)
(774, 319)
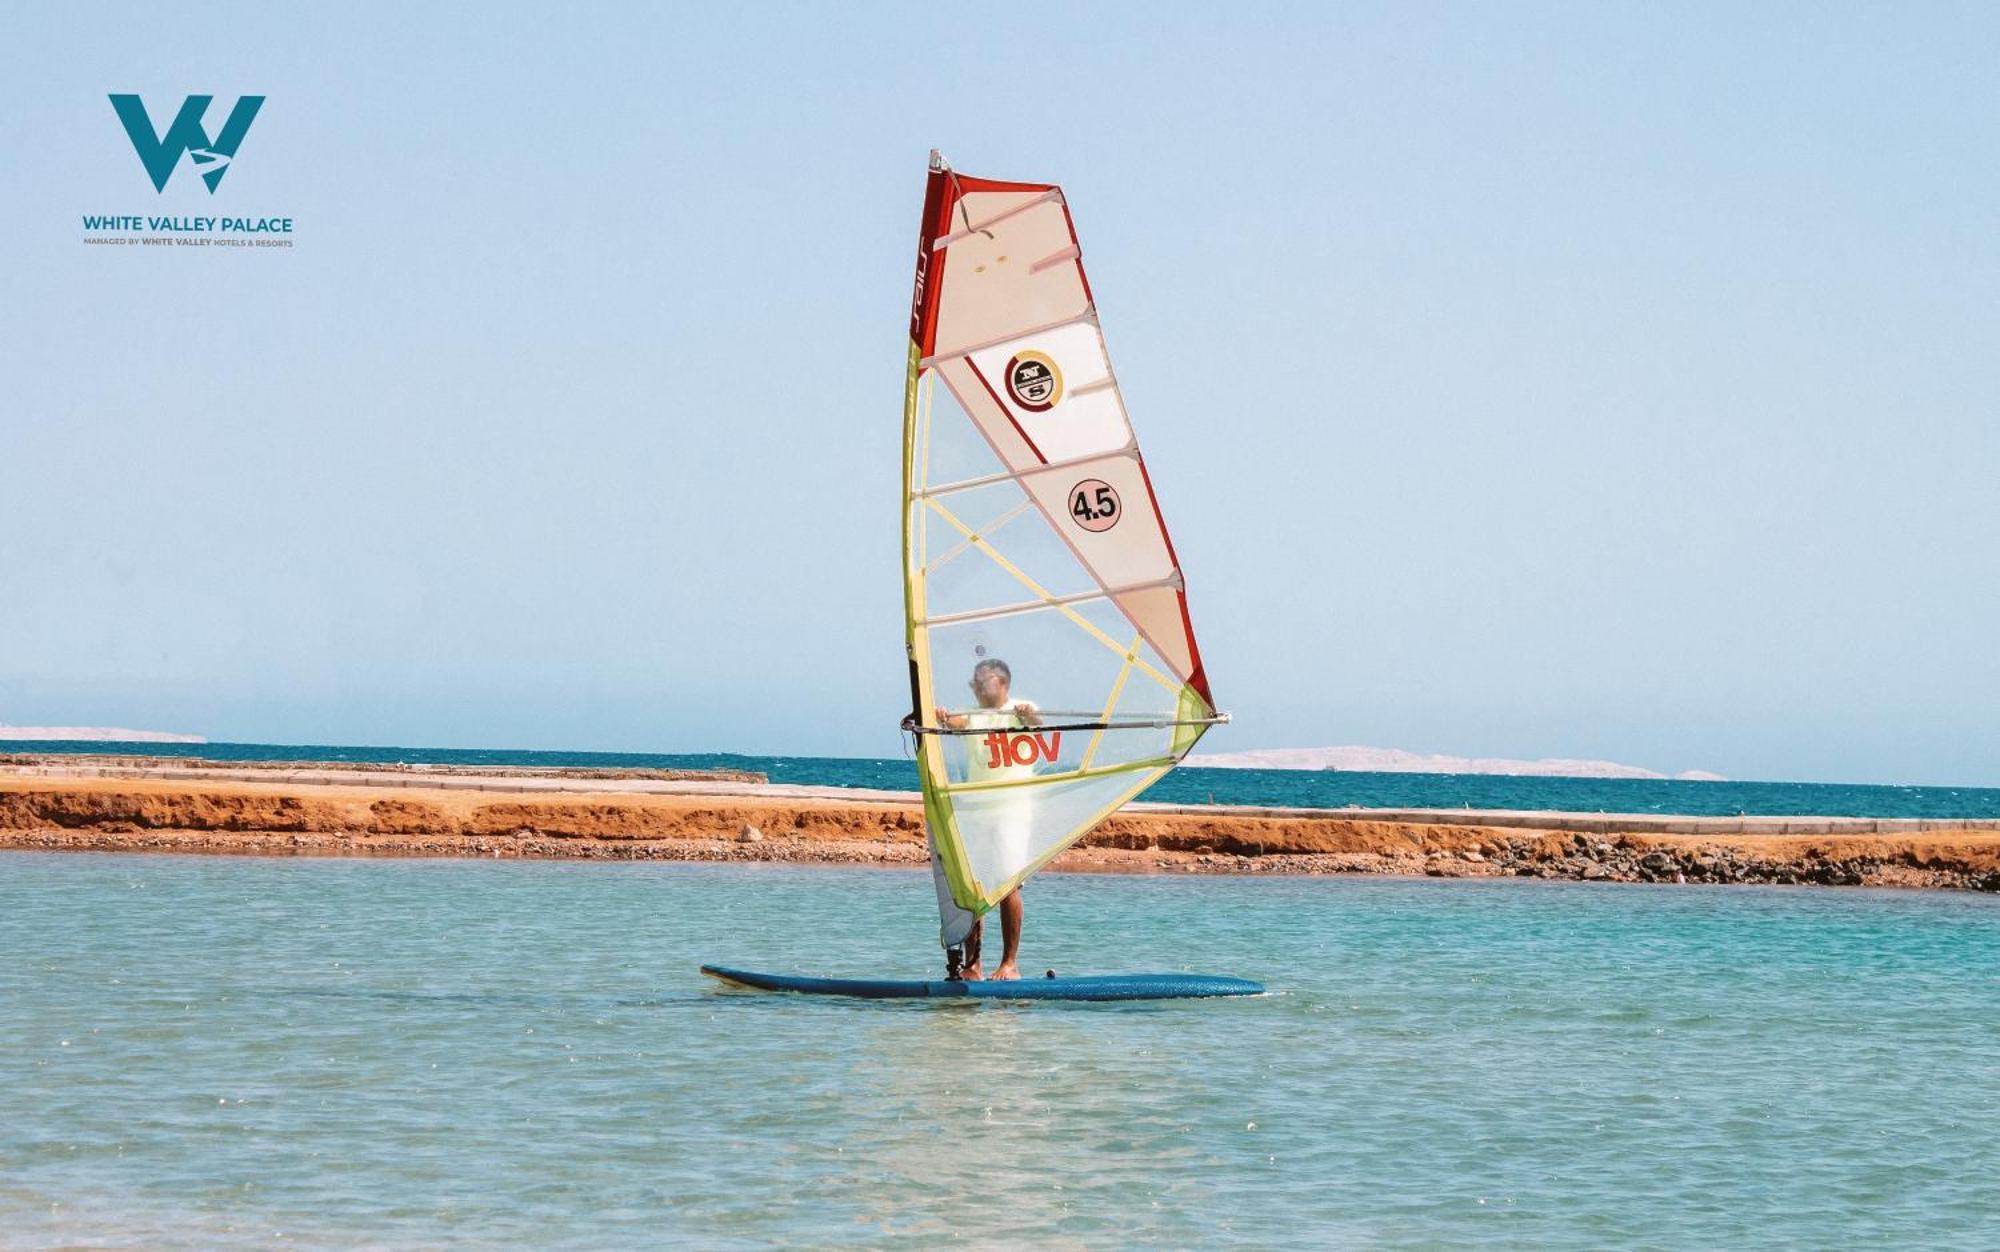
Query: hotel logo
(160, 153)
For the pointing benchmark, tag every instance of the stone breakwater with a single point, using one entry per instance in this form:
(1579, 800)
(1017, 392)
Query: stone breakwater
(361, 813)
(1853, 861)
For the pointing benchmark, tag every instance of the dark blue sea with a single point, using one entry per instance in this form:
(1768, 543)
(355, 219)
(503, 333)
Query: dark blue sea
(1276, 787)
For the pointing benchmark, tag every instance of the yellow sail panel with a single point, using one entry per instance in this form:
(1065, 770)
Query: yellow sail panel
(1054, 672)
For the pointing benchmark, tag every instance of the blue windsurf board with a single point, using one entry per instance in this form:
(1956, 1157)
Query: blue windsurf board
(1089, 987)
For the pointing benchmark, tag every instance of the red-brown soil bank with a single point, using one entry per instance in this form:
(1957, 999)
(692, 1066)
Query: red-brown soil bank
(127, 814)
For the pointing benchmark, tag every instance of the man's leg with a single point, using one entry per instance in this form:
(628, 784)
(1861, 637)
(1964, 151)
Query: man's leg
(1010, 935)
(971, 971)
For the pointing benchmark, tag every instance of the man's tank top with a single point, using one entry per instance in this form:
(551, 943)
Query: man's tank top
(986, 757)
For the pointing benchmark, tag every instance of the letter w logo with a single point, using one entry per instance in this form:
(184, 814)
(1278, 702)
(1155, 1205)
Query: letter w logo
(160, 153)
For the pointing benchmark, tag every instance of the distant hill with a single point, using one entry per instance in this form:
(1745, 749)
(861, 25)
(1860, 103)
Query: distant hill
(100, 733)
(1397, 761)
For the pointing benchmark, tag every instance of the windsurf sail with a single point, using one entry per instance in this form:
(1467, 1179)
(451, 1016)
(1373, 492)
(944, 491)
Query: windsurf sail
(1053, 668)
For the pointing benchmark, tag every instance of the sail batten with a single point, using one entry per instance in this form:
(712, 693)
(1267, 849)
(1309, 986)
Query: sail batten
(1087, 317)
(1092, 688)
(1049, 602)
(995, 220)
(932, 493)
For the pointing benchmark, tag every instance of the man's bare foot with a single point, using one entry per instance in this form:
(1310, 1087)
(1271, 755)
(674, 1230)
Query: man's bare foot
(1006, 972)
(971, 974)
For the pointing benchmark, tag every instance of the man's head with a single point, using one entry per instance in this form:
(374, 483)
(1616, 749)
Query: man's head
(991, 680)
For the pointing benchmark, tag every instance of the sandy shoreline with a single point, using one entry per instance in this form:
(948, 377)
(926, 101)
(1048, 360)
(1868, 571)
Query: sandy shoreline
(47, 807)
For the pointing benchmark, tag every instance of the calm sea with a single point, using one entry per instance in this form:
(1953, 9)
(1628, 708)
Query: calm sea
(1282, 787)
(224, 1052)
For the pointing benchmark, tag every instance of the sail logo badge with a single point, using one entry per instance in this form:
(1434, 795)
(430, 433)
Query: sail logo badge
(1034, 381)
(1094, 505)
(160, 153)
(1020, 749)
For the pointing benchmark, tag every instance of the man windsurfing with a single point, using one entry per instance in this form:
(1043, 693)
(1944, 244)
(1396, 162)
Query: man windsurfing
(986, 760)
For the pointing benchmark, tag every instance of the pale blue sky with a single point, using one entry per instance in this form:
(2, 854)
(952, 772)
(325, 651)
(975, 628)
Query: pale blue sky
(1580, 380)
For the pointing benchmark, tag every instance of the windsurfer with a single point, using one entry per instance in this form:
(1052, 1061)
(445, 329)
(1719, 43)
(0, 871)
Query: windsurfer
(987, 760)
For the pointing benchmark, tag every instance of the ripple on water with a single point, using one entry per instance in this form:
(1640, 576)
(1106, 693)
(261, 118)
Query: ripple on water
(219, 1050)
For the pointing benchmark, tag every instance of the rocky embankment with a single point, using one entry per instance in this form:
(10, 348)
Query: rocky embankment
(1942, 859)
(468, 817)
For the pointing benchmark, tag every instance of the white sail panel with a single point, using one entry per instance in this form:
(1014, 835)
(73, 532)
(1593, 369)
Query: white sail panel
(1057, 389)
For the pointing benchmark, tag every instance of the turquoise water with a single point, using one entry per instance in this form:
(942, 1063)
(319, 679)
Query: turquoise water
(1283, 787)
(236, 1051)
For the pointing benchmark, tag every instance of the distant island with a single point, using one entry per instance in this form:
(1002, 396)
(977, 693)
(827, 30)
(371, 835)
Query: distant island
(1397, 761)
(98, 733)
